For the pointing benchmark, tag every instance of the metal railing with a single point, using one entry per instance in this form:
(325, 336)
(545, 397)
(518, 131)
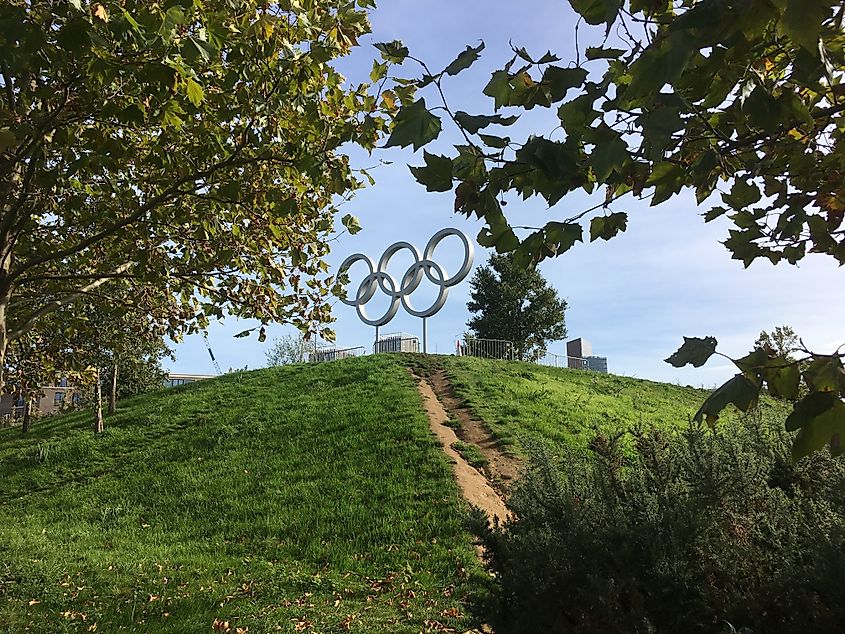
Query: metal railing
(486, 348)
(503, 349)
(321, 355)
(562, 361)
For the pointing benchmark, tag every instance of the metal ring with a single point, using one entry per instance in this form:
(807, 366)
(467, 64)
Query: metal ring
(422, 267)
(442, 292)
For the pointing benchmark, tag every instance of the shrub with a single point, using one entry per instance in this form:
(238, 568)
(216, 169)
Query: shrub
(693, 532)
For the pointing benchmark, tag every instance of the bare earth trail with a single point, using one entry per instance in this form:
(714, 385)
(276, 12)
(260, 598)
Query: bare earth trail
(502, 467)
(475, 486)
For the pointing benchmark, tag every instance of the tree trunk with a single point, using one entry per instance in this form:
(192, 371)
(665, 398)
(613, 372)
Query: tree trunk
(98, 405)
(5, 298)
(27, 415)
(113, 391)
(4, 344)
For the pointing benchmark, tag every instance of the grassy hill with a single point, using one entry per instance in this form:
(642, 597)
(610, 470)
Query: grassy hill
(306, 498)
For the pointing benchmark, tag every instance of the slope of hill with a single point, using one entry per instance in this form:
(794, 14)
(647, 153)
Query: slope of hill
(564, 407)
(306, 498)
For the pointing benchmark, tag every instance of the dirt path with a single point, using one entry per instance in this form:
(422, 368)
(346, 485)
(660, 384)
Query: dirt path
(475, 487)
(502, 468)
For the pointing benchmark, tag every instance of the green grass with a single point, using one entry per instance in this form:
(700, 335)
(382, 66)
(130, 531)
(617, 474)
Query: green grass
(471, 454)
(566, 408)
(453, 423)
(309, 498)
(306, 498)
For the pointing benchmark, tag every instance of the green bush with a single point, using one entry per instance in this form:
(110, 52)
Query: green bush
(694, 532)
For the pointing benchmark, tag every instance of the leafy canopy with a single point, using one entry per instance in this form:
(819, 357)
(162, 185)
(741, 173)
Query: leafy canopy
(740, 102)
(189, 148)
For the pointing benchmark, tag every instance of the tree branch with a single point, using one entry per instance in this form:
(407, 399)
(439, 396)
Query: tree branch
(54, 305)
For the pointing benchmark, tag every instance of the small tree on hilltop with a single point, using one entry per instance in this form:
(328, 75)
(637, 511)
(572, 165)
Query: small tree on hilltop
(782, 341)
(288, 349)
(514, 303)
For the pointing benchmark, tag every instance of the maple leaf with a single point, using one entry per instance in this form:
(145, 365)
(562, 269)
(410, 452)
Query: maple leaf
(99, 11)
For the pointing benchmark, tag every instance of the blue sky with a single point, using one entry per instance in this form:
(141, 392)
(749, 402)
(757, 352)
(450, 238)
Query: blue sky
(633, 297)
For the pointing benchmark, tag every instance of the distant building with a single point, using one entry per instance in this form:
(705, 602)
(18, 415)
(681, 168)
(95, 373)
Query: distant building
(579, 356)
(173, 379)
(597, 364)
(54, 398)
(577, 352)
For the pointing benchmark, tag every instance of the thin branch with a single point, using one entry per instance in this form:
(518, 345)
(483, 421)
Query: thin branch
(10, 88)
(54, 305)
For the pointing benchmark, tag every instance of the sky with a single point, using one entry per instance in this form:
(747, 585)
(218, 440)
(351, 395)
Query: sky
(633, 298)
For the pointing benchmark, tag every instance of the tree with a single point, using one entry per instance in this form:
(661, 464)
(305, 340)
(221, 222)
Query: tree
(288, 349)
(782, 341)
(91, 339)
(188, 148)
(743, 101)
(516, 304)
(30, 364)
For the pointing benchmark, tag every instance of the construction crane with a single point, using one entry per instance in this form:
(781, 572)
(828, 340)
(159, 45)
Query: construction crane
(211, 354)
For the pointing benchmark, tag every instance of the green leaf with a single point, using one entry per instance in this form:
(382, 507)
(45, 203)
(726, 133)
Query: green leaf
(562, 236)
(820, 419)
(597, 11)
(499, 88)
(783, 377)
(606, 227)
(463, 61)
(194, 48)
(609, 154)
(825, 374)
(437, 173)
(394, 52)
(7, 139)
(469, 164)
(352, 224)
(743, 193)
(74, 35)
(195, 92)
(803, 21)
(495, 141)
(661, 63)
(577, 114)
(474, 123)
(809, 407)
(559, 80)
(598, 52)
(753, 362)
(695, 351)
(415, 125)
(714, 213)
(740, 390)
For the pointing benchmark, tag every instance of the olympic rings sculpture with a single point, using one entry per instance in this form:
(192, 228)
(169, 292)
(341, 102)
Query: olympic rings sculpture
(423, 267)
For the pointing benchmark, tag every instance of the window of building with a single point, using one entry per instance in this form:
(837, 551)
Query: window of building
(63, 382)
(76, 399)
(59, 398)
(19, 402)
